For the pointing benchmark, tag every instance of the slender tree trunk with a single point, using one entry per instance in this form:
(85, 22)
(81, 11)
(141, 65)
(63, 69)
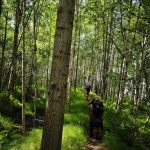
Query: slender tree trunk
(54, 114)
(3, 50)
(104, 50)
(48, 73)
(100, 77)
(84, 70)
(0, 8)
(147, 120)
(111, 70)
(122, 84)
(72, 59)
(35, 78)
(145, 72)
(23, 70)
(75, 85)
(138, 78)
(134, 84)
(15, 47)
(47, 80)
(30, 67)
(35, 83)
(35, 33)
(90, 67)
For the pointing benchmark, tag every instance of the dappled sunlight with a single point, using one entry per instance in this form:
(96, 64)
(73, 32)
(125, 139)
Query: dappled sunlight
(31, 141)
(73, 137)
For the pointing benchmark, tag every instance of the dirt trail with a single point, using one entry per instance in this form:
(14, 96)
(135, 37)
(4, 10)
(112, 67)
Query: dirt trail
(93, 144)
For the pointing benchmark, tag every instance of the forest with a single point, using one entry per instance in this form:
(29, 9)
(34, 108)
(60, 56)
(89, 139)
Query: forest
(50, 50)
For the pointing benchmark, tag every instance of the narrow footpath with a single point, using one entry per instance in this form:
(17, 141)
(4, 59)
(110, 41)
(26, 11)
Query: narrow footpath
(93, 144)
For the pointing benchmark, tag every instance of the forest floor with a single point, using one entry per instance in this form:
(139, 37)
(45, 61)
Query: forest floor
(93, 144)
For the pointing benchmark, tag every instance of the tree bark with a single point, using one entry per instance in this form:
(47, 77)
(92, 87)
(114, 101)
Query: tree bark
(54, 113)
(30, 67)
(15, 47)
(0, 8)
(72, 59)
(23, 70)
(3, 50)
(75, 84)
(35, 78)
(35, 60)
(147, 120)
(138, 78)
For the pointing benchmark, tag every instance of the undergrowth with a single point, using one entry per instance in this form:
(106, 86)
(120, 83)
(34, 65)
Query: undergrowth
(74, 134)
(121, 132)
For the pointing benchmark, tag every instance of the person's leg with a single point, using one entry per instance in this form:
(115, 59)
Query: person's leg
(91, 127)
(101, 125)
(87, 95)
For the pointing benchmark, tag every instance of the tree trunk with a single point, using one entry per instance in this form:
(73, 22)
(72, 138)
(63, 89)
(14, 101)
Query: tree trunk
(75, 84)
(138, 78)
(47, 71)
(3, 50)
(0, 8)
(84, 72)
(54, 113)
(23, 70)
(48, 61)
(147, 120)
(15, 47)
(90, 67)
(72, 60)
(35, 33)
(35, 78)
(122, 84)
(30, 67)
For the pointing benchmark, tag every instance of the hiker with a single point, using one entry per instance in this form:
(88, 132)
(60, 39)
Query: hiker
(97, 114)
(88, 88)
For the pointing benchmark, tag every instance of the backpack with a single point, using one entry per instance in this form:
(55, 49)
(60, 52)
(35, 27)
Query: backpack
(97, 108)
(88, 87)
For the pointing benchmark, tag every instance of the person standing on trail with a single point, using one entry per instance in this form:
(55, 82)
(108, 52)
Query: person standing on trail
(88, 88)
(97, 112)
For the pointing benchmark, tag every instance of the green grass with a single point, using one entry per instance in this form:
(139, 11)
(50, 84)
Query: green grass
(31, 141)
(74, 135)
(118, 133)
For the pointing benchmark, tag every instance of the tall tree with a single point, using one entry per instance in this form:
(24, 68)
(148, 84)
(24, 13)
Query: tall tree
(23, 70)
(77, 63)
(72, 58)
(35, 33)
(15, 47)
(0, 8)
(3, 51)
(54, 113)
